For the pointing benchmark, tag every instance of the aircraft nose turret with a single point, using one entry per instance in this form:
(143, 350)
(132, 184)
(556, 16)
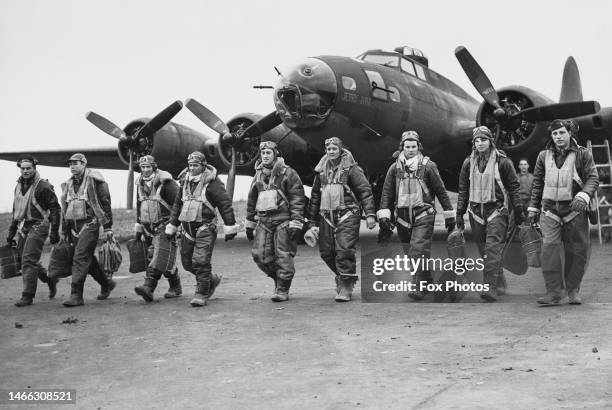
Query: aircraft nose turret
(305, 95)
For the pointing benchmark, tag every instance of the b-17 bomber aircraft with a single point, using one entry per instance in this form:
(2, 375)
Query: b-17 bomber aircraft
(367, 101)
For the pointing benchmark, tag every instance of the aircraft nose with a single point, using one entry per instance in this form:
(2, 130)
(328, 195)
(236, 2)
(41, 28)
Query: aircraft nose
(305, 94)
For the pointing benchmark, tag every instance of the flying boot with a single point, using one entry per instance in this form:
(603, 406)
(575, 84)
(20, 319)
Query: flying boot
(175, 290)
(146, 290)
(76, 295)
(347, 283)
(202, 291)
(282, 290)
(26, 299)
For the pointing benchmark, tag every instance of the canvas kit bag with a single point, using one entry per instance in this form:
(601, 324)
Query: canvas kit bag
(10, 265)
(60, 262)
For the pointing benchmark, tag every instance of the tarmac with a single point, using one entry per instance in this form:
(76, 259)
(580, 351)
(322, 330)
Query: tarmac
(245, 351)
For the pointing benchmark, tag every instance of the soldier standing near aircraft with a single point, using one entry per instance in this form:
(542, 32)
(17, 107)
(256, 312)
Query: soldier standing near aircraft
(525, 180)
(276, 200)
(488, 191)
(339, 191)
(411, 186)
(565, 179)
(156, 192)
(36, 215)
(86, 205)
(201, 191)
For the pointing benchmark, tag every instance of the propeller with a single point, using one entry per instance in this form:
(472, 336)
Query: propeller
(131, 142)
(233, 139)
(510, 116)
(561, 110)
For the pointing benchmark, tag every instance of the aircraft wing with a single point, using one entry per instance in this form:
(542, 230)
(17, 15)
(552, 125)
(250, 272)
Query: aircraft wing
(102, 157)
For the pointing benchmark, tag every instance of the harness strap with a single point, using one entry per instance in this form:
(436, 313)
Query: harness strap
(420, 215)
(343, 218)
(564, 220)
(482, 221)
(501, 186)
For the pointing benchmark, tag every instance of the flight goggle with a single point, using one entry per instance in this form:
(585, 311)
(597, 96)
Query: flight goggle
(333, 141)
(267, 144)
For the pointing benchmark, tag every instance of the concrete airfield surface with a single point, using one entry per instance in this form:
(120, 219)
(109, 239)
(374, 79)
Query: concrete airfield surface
(242, 350)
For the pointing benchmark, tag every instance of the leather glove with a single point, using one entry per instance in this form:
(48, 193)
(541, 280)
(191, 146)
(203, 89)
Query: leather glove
(54, 237)
(230, 236)
(385, 231)
(250, 234)
(450, 224)
(10, 241)
(533, 217)
(578, 205)
(294, 233)
(385, 224)
(139, 236)
(460, 222)
(519, 217)
(370, 222)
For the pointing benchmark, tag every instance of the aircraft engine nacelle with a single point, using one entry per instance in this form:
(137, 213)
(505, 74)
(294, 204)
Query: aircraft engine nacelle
(247, 150)
(170, 145)
(515, 135)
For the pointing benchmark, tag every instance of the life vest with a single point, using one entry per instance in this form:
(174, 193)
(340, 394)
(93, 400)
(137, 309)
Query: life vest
(193, 201)
(76, 202)
(334, 183)
(267, 199)
(482, 185)
(23, 203)
(558, 181)
(151, 203)
(410, 187)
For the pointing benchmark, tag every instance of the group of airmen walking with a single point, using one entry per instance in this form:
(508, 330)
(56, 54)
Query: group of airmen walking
(556, 196)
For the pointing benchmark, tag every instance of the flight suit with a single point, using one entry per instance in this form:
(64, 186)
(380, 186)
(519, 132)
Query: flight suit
(275, 204)
(525, 182)
(155, 196)
(488, 190)
(194, 209)
(339, 193)
(560, 176)
(36, 211)
(411, 194)
(86, 205)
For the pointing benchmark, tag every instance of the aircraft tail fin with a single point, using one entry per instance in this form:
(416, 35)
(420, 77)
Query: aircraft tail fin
(571, 87)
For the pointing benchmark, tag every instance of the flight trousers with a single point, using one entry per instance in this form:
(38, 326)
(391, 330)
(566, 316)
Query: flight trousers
(273, 250)
(567, 242)
(490, 240)
(30, 244)
(338, 241)
(196, 254)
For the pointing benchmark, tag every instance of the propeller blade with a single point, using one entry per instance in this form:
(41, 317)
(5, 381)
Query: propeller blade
(231, 176)
(262, 126)
(206, 116)
(161, 119)
(477, 76)
(105, 125)
(571, 87)
(558, 111)
(130, 183)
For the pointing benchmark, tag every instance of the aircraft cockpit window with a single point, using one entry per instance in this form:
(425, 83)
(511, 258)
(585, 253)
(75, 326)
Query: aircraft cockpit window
(377, 85)
(395, 95)
(382, 59)
(420, 72)
(408, 67)
(348, 83)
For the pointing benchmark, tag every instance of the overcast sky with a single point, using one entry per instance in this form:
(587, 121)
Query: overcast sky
(128, 59)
